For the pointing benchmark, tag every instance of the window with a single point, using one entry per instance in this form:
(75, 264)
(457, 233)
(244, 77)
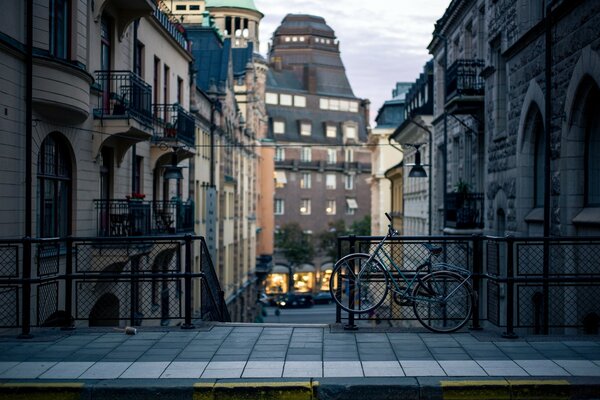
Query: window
(331, 156)
(54, 188)
(279, 154)
(195, 8)
(539, 161)
(324, 104)
(344, 105)
(60, 21)
(351, 206)
(353, 106)
(349, 155)
(285, 99)
(306, 154)
(305, 181)
(305, 128)
(350, 132)
(330, 181)
(334, 104)
(280, 179)
(279, 127)
(137, 174)
(349, 182)
(271, 98)
(331, 131)
(305, 207)
(330, 209)
(592, 152)
(279, 206)
(299, 101)
(138, 58)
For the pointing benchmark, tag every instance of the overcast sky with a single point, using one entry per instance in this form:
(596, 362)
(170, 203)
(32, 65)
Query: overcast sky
(381, 41)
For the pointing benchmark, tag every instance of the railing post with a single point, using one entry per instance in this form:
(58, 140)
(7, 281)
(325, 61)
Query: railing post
(188, 283)
(477, 269)
(338, 309)
(351, 326)
(222, 305)
(510, 290)
(69, 324)
(26, 316)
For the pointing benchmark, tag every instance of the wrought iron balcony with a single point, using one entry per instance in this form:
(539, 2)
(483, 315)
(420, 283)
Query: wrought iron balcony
(464, 210)
(465, 86)
(123, 95)
(172, 122)
(117, 218)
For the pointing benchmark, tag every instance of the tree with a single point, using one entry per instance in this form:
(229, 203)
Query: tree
(328, 238)
(361, 227)
(296, 246)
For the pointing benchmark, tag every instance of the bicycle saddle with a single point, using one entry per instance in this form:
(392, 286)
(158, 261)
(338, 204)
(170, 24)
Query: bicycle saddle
(433, 249)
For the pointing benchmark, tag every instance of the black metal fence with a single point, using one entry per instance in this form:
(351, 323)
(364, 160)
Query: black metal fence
(124, 95)
(464, 78)
(107, 282)
(136, 217)
(464, 210)
(518, 289)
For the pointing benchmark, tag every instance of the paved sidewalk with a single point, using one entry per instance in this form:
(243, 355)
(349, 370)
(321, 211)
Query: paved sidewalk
(280, 353)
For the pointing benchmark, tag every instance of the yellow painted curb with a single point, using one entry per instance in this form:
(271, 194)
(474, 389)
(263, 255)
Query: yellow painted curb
(498, 389)
(534, 389)
(41, 391)
(293, 390)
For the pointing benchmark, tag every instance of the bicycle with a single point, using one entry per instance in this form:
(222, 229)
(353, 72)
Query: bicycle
(440, 293)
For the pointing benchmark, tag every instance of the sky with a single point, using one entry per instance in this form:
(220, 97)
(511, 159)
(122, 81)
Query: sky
(381, 41)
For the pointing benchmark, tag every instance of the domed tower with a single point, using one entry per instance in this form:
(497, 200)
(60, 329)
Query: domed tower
(237, 19)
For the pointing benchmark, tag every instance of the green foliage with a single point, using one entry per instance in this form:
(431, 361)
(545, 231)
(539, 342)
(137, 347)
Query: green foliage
(361, 227)
(327, 240)
(462, 187)
(296, 246)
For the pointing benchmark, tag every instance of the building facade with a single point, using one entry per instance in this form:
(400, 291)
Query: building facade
(384, 156)
(319, 128)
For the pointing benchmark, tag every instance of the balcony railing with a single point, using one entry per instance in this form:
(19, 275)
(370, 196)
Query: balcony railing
(172, 122)
(174, 30)
(464, 210)
(464, 79)
(120, 218)
(123, 95)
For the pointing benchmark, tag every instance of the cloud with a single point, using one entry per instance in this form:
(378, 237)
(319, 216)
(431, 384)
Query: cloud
(381, 41)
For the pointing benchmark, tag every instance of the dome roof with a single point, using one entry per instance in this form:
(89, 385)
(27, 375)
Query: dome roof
(304, 24)
(247, 4)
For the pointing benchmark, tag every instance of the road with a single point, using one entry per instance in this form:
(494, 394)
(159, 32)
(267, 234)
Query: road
(318, 314)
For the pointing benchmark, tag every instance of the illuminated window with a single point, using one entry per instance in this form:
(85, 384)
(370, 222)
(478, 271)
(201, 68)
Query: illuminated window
(279, 127)
(305, 207)
(271, 98)
(350, 132)
(305, 128)
(299, 101)
(331, 131)
(330, 209)
(285, 99)
(324, 104)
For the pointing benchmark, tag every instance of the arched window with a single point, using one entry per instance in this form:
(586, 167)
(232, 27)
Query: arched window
(54, 188)
(539, 161)
(592, 150)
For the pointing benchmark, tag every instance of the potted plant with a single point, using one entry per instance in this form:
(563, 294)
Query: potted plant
(135, 196)
(170, 130)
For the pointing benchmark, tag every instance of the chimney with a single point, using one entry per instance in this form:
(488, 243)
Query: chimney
(310, 78)
(366, 103)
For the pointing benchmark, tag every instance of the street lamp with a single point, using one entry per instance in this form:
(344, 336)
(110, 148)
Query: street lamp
(417, 170)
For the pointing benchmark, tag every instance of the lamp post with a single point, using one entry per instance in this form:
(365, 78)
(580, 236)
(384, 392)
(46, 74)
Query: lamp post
(445, 175)
(417, 171)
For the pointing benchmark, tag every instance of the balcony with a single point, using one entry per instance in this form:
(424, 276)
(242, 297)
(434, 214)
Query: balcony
(122, 218)
(464, 210)
(173, 124)
(124, 112)
(465, 87)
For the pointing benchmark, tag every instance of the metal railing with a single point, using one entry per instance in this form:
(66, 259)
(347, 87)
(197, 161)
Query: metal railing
(464, 210)
(119, 218)
(123, 95)
(107, 282)
(172, 122)
(515, 289)
(464, 79)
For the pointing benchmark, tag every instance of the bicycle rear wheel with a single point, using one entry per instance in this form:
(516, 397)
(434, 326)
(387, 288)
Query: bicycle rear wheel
(443, 301)
(358, 285)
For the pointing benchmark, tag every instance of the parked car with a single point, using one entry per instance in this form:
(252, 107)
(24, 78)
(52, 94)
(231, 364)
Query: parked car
(323, 298)
(296, 300)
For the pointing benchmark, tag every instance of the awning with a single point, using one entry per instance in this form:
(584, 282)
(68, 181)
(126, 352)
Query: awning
(352, 203)
(280, 177)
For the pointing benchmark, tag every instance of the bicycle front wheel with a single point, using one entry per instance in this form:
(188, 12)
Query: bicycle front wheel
(443, 301)
(358, 285)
